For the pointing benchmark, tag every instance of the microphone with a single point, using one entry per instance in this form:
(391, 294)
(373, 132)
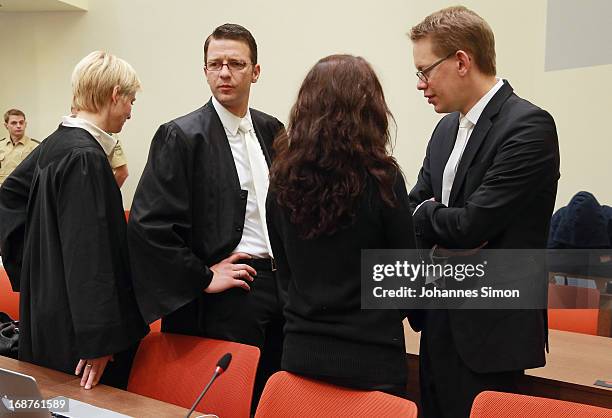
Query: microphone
(223, 363)
(222, 366)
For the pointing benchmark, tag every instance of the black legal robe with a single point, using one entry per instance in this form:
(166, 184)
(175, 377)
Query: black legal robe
(188, 214)
(63, 230)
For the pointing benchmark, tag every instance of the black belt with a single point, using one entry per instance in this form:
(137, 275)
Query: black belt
(264, 264)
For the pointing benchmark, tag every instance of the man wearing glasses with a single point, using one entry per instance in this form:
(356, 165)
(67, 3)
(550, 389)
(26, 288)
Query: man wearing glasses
(199, 246)
(488, 180)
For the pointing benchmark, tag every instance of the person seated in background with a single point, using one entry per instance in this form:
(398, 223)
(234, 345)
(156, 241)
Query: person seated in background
(335, 190)
(78, 309)
(17, 145)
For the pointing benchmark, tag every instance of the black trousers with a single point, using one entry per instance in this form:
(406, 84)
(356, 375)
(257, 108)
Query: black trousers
(253, 318)
(448, 386)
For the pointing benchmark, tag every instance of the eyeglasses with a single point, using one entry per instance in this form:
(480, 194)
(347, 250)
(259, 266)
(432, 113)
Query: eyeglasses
(422, 75)
(232, 65)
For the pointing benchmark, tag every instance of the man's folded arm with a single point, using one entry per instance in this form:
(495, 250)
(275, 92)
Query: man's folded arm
(520, 172)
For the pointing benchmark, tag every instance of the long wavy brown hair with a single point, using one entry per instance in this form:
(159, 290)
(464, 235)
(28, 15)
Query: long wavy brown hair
(336, 141)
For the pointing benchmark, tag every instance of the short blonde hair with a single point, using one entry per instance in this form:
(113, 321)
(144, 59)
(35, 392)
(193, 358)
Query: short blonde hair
(95, 77)
(459, 28)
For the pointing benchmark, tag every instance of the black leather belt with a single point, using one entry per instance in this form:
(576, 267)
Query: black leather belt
(264, 264)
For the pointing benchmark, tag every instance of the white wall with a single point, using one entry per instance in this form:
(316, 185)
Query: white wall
(163, 41)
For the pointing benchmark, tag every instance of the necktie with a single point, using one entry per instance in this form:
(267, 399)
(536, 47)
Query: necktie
(259, 171)
(453, 161)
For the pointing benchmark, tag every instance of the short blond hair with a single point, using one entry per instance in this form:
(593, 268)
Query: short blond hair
(95, 77)
(459, 28)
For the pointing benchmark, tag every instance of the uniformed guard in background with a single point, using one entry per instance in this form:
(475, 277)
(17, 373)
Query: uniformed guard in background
(16, 146)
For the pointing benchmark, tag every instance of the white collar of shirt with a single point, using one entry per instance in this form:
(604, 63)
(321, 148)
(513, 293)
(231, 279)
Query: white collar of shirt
(229, 121)
(474, 113)
(254, 238)
(106, 141)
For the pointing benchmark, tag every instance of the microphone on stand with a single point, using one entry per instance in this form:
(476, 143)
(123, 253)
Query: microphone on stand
(222, 366)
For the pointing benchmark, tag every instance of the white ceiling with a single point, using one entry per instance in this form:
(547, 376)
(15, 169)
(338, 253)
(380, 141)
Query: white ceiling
(42, 5)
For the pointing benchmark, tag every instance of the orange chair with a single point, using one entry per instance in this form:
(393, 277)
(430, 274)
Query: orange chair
(175, 368)
(9, 300)
(583, 319)
(287, 395)
(155, 326)
(510, 405)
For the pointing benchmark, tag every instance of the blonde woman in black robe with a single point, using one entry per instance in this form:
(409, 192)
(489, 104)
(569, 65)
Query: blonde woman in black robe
(63, 235)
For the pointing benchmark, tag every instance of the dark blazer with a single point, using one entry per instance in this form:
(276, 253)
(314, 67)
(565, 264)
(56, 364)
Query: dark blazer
(504, 194)
(188, 213)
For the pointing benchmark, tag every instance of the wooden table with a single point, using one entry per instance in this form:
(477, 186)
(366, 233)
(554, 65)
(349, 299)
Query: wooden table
(53, 383)
(573, 365)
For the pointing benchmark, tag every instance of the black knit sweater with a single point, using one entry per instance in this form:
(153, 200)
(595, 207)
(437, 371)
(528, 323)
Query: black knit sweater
(327, 333)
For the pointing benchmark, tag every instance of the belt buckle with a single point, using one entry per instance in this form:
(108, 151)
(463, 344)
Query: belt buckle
(273, 264)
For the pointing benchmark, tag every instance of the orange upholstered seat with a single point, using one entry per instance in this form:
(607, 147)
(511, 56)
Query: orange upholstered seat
(9, 300)
(510, 405)
(581, 311)
(155, 326)
(175, 368)
(287, 395)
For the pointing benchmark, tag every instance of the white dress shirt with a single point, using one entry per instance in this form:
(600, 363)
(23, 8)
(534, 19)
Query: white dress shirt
(254, 239)
(106, 141)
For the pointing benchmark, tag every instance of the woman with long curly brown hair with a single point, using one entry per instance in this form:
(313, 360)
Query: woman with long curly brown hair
(335, 190)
